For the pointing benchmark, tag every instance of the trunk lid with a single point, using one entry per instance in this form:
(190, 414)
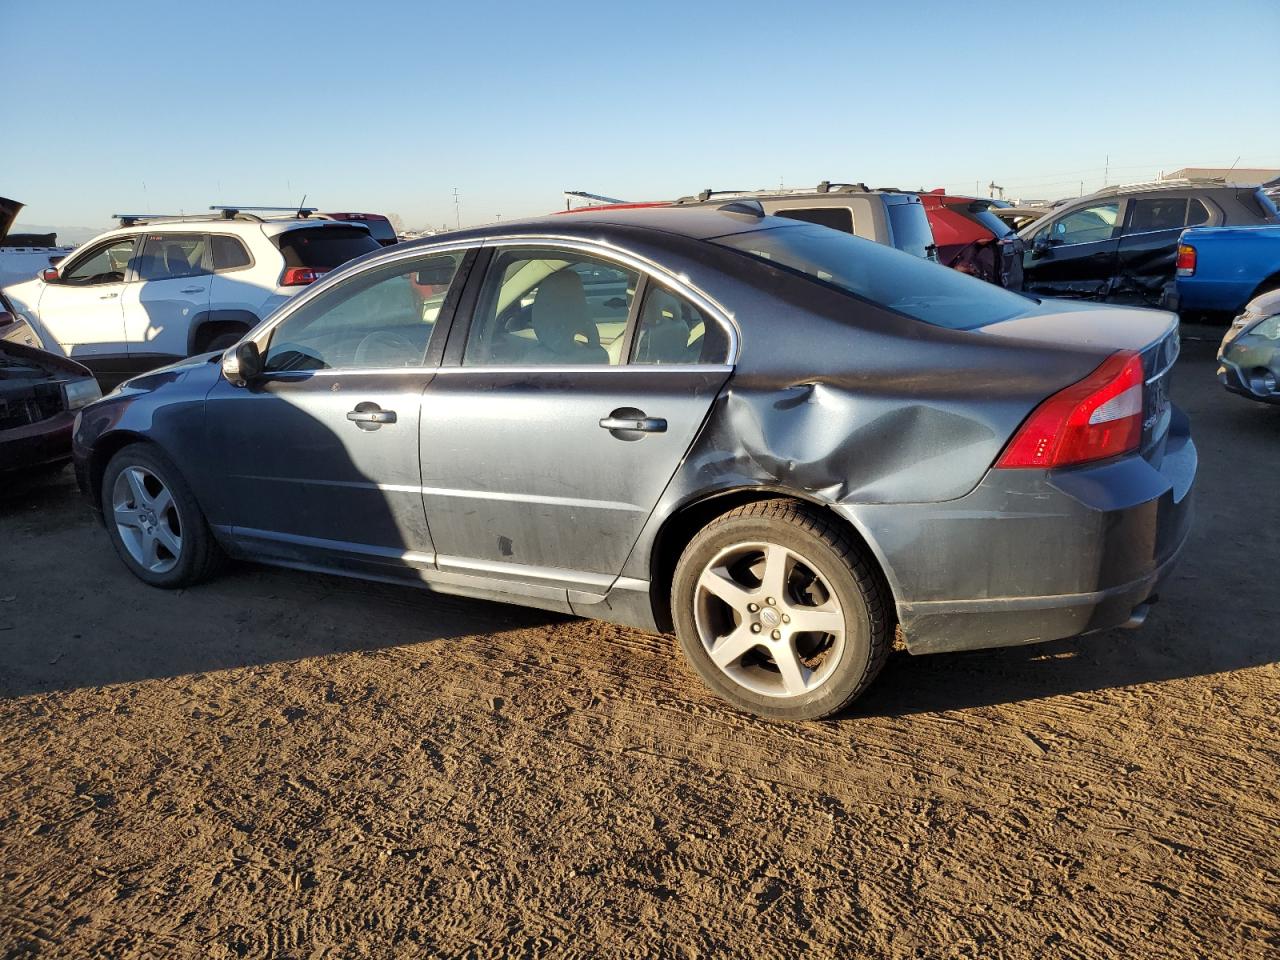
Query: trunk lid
(1101, 331)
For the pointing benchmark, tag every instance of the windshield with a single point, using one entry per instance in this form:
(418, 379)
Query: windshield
(885, 276)
(911, 230)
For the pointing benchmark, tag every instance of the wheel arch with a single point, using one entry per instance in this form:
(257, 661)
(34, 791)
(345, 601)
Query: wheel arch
(104, 448)
(209, 323)
(684, 522)
(1266, 286)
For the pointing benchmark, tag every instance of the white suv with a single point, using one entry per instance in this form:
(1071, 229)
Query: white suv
(154, 292)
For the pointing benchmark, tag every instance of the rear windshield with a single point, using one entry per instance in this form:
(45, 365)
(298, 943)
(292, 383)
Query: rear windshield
(984, 216)
(1259, 202)
(323, 248)
(381, 229)
(887, 277)
(911, 230)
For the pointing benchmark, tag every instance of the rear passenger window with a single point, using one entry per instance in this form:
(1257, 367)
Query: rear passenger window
(168, 256)
(551, 308)
(1197, 213)
(837, 218)
(672, 330)
(229, 254)
(1159, 213)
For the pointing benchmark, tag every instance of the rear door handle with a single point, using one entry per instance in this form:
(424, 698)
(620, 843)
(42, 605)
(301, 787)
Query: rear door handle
(109, 296)
(641, 424)
(192, 290)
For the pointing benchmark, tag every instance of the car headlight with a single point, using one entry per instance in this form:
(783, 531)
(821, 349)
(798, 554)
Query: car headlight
(1268, 327)
(77, 393)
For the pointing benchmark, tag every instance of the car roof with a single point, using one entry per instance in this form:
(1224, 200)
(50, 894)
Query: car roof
(695, 222)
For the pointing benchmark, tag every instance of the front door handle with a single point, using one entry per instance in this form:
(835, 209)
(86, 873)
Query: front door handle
(370, 416)
(627, 423)
(108, 296)
(192, 290)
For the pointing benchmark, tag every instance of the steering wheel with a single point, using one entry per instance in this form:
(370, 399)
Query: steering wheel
(386, 348)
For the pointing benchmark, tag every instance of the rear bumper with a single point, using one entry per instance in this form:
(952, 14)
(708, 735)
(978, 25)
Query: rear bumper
(43, 443)
(1030, 556)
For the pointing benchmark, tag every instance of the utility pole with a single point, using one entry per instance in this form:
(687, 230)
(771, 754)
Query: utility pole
(457, 209)
(1106, 170)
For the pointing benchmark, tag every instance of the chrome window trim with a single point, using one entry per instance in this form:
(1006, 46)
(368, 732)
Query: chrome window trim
(655, 271)
(636, 368)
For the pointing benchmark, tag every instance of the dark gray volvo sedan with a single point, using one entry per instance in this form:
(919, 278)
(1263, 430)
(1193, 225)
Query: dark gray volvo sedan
(782, 442)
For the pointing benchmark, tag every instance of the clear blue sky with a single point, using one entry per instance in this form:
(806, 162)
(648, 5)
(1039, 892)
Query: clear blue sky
(389, 106)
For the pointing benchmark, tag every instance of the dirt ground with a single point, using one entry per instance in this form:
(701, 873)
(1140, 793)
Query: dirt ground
(287, 765)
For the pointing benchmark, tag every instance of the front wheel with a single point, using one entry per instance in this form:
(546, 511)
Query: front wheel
(153, 520)
(779, 611)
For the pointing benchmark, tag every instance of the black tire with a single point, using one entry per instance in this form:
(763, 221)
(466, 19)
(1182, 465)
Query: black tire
(835, 557)
(200, 557)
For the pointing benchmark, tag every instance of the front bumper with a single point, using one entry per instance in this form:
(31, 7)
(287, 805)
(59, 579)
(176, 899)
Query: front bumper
(1250, 366)
(43, 443)
(1030, 556)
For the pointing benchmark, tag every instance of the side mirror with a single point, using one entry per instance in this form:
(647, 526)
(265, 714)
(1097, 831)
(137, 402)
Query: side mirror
(7, 318)
(242, 363)
(1040, 247)
(49, 275)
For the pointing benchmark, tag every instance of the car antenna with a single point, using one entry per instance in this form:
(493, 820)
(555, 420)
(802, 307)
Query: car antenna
(302, 206)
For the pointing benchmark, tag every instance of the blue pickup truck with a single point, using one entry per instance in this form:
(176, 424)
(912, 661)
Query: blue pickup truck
(1220, 269)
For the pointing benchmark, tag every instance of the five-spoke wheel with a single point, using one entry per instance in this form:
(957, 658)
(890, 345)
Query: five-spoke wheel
(154, 521)
(145, 518)
(779, 611)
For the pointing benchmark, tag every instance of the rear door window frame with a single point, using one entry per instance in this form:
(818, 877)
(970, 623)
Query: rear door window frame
(464, 315)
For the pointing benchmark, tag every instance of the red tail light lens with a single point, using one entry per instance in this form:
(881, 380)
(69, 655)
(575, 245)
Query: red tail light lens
(1096, 418)
(300, 276)
(1186, 260)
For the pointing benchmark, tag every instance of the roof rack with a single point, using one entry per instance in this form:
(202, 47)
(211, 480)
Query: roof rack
(826, 186)
(220, 212)
(229, 211)
(1180, 183)
(133, 219)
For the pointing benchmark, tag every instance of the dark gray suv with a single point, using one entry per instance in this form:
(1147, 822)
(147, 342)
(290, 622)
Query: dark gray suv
(779, 440)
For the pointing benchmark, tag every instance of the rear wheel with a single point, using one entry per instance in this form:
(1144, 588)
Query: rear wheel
(154, 522)
(779, 612)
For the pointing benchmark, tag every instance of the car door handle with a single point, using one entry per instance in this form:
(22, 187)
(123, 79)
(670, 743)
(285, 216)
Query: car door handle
(641, 424)
(192, 290)
(372, 416)
(108, 296)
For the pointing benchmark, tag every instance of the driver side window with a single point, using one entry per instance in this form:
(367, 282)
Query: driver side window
(377, 319)
(107, 264)
(1086, 226)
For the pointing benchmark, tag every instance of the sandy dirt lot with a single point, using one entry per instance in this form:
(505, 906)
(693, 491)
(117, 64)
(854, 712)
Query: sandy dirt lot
(286, 765)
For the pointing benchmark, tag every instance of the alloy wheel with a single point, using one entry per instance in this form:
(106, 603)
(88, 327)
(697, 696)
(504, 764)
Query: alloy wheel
(146, 519)
(769, 620)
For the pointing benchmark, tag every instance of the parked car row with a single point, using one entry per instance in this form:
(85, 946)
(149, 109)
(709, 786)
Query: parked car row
(1117, 245)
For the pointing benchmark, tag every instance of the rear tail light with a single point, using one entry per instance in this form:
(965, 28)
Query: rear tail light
(300, 276)
(1186, 260)
(1096, 418)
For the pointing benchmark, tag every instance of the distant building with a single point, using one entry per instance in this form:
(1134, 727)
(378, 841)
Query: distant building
(1233, 174)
